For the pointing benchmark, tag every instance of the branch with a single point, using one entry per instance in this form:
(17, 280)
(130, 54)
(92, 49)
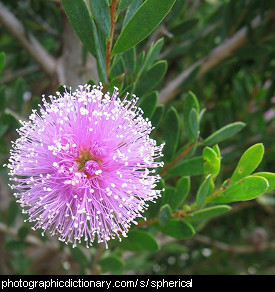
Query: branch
(244, 249)
(29, 239)
(110, 40)
(225, 50)
(28, 42)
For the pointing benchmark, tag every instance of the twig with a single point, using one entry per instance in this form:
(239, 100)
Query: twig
(29, 239)
(20, 73)
(218, 54)
(29, 43)
(110, 40)
(245, 249)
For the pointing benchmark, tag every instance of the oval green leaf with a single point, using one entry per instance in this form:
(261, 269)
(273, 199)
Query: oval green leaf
(190, 103)
(270, 177)
(179, 229)
(208, 213)
(151, 78)
(111, 263)
(142, 23)
(190, 167)
(79, 256)
(180, 193)
(211, 162)
(164, 215)
(148, 104)
(101, 15)
(203, 191)
(246, 189)
(156, 118)
(223, 133)
(171, 132)
(141, 240)
(81, 20)
(248, 162)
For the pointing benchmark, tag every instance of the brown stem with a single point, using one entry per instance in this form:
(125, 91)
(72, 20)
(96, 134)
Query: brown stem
(110, 40)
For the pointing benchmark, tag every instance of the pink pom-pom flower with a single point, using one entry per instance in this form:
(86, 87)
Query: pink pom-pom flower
(85, 167)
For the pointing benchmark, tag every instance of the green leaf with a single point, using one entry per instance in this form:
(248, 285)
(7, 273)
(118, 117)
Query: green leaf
(248, 162)
(180, 193)
(164, 215)
(270, 177)
(246, 189)
(123, 4)
(116, 82)
(148, 104)
(131, 11)
(151, 78)
(139, 63)
(167, 195)
(203, 191)
(111, 263)
(141, 240)
(211, 162)
(157, 116)
(81, 20)
(79, 256)
(100, 54)
(189, 167)
(190, 103)
(23, 232)
(171, 130)
(217, 150)
(130, 60)
(179, 229)
(194, 124)
(208, 213)
(152, 55)
(118, 66)
(223, 133)
(101, 15)
(2, 60)
(142, 23)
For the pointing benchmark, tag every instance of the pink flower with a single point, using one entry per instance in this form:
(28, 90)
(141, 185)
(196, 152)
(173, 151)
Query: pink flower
(85, 167)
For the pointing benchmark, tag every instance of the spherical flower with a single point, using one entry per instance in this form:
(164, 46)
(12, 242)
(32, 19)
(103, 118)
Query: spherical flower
(85, 167)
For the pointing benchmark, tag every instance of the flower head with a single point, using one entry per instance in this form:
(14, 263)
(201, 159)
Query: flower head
(85, 166)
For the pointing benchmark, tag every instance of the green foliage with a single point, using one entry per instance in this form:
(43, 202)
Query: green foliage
(223, 133)
(218, 129)
(80, 18)
(111, 264)
(130, 36)
(208, 213)
(101, 14)
(189, 167)
(138, 240)
(84, 25)
(248, 162)
(171, 132)
(179, 229)
(246, 189)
